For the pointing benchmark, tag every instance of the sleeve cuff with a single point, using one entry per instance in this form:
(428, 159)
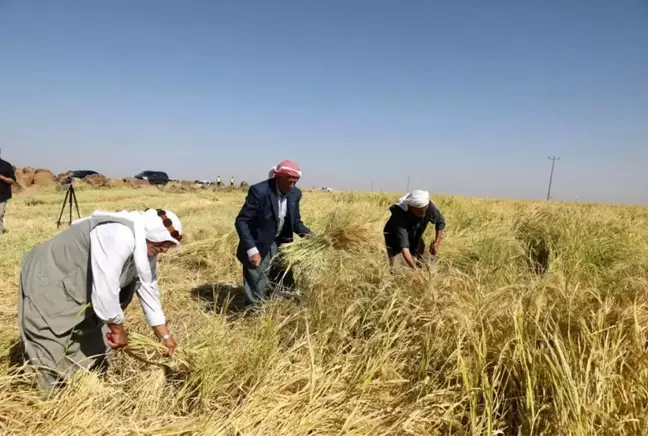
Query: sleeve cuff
(117, 319)
(155, 319)
(252, 251)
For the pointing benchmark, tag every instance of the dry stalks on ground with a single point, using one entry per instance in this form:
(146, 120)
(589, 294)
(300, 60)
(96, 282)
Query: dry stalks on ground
(533, 321)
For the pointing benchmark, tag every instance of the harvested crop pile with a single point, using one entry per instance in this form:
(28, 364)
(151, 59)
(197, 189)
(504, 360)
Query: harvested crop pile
(25, 176)
(136, 183)
(44, 178)
(40, 177)
(116, 182)
(346, 234)
(150, 352)
(96, 180)
(62, 177)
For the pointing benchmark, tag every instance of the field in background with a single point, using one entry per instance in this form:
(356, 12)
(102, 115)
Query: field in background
(533, 321)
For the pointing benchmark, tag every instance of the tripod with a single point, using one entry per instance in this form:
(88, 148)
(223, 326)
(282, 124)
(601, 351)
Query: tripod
(70, 196)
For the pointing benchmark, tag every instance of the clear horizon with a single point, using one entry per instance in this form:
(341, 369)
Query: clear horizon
(464, 98)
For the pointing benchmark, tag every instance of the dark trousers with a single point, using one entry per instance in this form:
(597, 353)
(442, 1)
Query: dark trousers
(260, 282)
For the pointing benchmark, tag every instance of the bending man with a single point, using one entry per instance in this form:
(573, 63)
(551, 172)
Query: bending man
(269, 218)
(404, 230)
(75, 286)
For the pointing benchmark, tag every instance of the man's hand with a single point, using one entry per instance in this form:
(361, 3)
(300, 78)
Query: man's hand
(408, 258)
(161, 331)
(171, 346)
(117, 338)
(255, 260)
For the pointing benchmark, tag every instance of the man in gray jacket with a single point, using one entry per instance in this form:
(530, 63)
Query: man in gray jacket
(75, 286)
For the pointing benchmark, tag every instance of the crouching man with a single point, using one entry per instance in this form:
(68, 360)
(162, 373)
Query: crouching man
(75, 286)
(404, 230)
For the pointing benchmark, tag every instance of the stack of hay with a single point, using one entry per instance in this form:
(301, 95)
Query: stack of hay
(62, 178)
(97, 180)
(28, 176)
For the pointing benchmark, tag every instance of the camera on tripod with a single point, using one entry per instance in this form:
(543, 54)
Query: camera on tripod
(70, 199)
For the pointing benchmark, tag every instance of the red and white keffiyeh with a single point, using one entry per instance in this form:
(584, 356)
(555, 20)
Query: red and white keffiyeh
(285, 168)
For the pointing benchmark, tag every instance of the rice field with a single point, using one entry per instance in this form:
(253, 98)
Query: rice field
(532, 321)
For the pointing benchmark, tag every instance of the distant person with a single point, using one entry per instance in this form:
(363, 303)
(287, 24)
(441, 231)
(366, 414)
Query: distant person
(232, 182)
(404, 230)
(269, 218)
(75, 287)
(218, 180)
(7, 180)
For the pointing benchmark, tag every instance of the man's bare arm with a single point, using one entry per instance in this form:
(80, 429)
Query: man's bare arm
(438, 237)
(434, 247)
(7, 180)
(408, 257)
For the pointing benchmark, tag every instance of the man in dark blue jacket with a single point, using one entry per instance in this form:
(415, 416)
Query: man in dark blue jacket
(269, 218)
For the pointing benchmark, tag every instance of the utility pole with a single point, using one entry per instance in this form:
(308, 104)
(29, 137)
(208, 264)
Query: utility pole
(372, 185)
(408, 183)
(553, 160)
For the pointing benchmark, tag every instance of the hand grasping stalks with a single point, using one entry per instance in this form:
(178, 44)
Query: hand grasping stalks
(149, 351)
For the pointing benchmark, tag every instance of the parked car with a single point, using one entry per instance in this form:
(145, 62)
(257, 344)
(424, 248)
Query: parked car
(79, 174)
(154, 177)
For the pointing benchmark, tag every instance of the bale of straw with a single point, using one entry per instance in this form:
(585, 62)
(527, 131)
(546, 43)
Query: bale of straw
(44, 178)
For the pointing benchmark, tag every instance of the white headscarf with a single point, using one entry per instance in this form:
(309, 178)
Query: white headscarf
(146, 225)
(416, 198)
(155, 230)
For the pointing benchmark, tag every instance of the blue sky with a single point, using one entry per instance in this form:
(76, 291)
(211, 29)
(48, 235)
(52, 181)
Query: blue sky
(467, 98)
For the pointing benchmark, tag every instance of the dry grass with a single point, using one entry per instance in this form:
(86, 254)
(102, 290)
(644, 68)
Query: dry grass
(533, 321)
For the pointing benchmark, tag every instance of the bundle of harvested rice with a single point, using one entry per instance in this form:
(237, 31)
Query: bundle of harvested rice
(344, 234)
(151, 352)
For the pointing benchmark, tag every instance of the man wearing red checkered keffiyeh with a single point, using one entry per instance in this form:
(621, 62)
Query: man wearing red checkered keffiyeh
(286, 168)
(269, 218)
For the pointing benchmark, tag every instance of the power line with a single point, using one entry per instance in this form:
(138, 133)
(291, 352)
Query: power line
(553, 160)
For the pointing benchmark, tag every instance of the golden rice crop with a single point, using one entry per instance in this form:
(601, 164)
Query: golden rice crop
(532, 321)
